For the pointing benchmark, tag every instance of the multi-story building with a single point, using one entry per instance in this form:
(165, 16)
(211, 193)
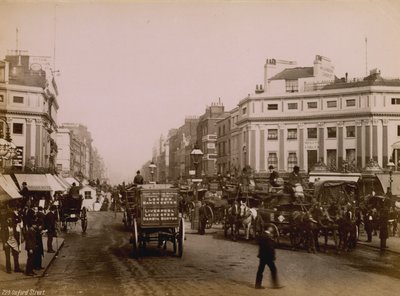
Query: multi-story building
(77, 151)
(223, 145)
(207, 137)
(305, 114)
(28, 109)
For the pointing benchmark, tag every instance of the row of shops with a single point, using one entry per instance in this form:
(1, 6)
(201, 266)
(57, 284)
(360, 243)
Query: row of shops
(45, 187)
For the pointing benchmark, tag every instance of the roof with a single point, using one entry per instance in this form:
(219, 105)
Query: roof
(372, 80)
(294, 73)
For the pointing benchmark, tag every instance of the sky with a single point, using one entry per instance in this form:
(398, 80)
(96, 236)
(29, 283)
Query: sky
(132, 70)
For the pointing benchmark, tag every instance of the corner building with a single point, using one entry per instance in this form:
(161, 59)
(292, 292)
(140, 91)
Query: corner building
(304, 114)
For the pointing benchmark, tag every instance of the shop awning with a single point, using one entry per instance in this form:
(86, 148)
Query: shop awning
(71, 180)
(62, 182)
(334, 177)
(385, 181)
(34, 182)
(54, 184)
(8, 190)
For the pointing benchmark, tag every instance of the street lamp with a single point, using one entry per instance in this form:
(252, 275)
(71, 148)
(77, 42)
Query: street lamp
(196, 156)
(391, 166)
(152, 167)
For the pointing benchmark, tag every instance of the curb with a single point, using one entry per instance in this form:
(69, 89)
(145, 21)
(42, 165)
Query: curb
(377, 248)
(52, 259)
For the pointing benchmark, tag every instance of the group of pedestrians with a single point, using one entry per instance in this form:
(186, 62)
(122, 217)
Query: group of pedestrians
(26, 224)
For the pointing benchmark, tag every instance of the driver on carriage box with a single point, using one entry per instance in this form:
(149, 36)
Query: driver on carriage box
(294, 177)
(74, 191)
(273, 176)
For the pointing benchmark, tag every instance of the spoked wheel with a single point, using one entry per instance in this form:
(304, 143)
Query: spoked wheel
(135, 243)
(84, 219)
(181, 237)
(210, 217)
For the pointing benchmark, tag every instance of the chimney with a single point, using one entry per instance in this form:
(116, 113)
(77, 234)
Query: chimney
(346, 75)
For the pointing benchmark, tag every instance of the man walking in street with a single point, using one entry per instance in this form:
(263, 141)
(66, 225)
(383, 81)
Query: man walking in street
(202, 219)
(266, 253)
(30, 243)
(11, 237)
(50, 225)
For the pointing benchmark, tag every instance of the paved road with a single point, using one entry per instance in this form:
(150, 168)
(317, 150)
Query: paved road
(99, 263)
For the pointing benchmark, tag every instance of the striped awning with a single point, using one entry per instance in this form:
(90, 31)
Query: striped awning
(8, 190)
(54, 184)
(34, 182)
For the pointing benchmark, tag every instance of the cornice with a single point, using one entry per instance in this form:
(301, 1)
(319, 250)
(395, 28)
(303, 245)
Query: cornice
(29, 113)
(319, 117)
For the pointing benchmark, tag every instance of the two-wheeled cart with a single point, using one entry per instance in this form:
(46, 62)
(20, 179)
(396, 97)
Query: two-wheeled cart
(157, 218)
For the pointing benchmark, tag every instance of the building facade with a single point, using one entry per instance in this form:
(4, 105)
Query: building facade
(304, 115)
(28, 109)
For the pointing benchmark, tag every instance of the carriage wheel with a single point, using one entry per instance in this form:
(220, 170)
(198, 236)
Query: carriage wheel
(135, 243)
(181, 236)
(210, 217)
(84, 219)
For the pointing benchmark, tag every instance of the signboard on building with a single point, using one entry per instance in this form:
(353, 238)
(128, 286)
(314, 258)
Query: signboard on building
(311, 145)
(19, 157)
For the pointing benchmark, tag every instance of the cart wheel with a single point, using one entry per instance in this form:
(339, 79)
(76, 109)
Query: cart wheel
(181, 236)
(134, 239)
(84, 219)
(210, 217)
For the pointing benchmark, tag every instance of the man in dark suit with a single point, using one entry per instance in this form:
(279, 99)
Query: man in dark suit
(50, 225)
(202, 219)
(30, 244)
(266, 253)
(38, 254)
(138, 180)
(10, 234)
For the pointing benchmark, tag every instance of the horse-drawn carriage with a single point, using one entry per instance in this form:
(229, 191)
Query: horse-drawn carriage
(156, 218)
(71, 211)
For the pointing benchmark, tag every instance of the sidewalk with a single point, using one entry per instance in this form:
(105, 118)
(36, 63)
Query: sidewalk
(393, 243)
(46, 261)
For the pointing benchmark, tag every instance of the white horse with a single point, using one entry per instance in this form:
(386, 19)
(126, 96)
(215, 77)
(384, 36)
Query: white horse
(246, 217)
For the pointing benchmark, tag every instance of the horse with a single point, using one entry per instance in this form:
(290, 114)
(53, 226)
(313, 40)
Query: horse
(231, 220)
(302, 230)
(247, 216)
(348, 229)
(327, 226)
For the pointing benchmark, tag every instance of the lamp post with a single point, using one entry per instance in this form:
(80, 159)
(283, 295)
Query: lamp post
(391, 166)
(152, 168)
(196, 156)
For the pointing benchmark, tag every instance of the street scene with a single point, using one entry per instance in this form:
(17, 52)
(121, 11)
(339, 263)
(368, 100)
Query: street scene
(199, 148)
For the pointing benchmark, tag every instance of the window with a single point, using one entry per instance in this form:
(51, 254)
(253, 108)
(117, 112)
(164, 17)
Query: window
(18, 128)
(292, 160)
(59, 167)
(398, 130)
(292, 106)
(331, 104)
(88, 195)
(273, 159)
(331, 132)
(312, 105)
(19, 100)
(272, 106)
(292, 134)
(244, 110)
(350, 103)
(395, 101)
(272, 134)
(292, 85)
(350, 131)
(1, 98)
(312, 133)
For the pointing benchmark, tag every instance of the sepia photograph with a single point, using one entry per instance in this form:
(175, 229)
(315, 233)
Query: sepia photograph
(179, 148)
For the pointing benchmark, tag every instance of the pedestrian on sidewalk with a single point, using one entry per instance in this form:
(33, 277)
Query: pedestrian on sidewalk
(266, 253)
(11, 237)
(30, 243)
(50, 225)
(369, 225)
(383, 227)
(39, 227)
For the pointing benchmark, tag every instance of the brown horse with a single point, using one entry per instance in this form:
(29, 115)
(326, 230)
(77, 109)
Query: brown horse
(302, 230)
